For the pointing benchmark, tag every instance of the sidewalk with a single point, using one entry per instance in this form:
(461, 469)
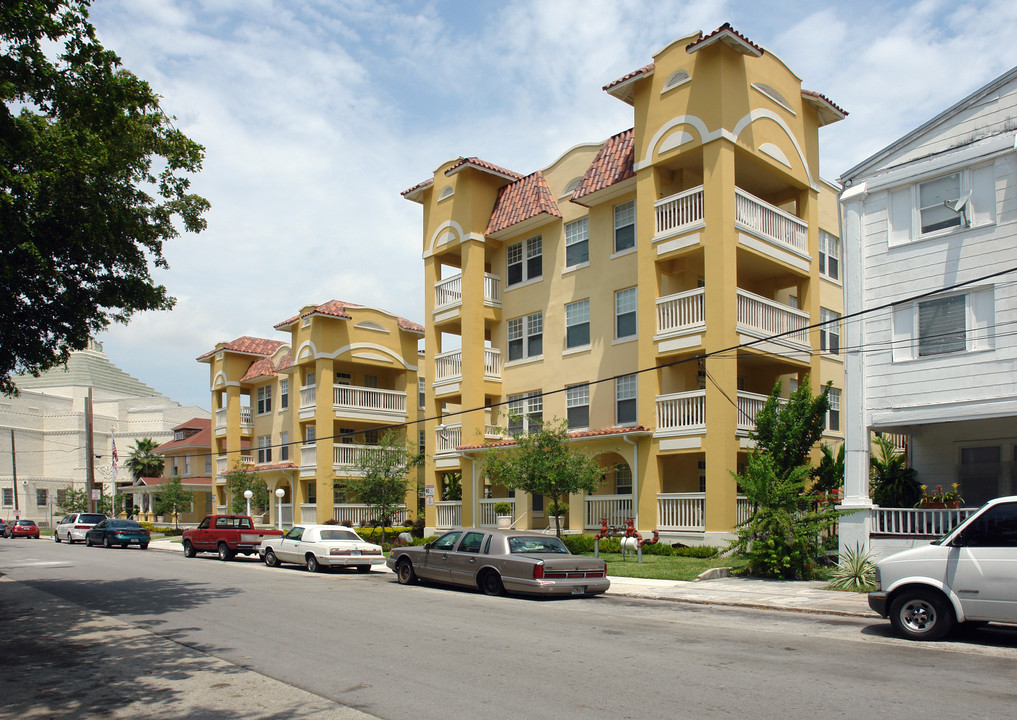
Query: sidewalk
(787, 595)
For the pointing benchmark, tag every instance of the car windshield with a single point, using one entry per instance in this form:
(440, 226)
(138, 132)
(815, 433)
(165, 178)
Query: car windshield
(129, 524)
(27, 523)
(536, 544)
(91, 518)
(338, 535)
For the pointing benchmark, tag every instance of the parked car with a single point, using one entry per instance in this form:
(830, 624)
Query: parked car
(499, 561)
(3, 528)
(967, 577)
(111, 532)
(321, 546)
(73, 527)
(225, 535)
(23, 528)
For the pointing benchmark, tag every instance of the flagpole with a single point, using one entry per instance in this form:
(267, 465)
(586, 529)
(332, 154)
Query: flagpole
(113, 504)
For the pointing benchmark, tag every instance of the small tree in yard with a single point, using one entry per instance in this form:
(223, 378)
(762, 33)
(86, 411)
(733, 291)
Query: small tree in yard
(783, 538)
(237, 481)
(174, 499)
(72, 500)
(383, 476)
(543, 463)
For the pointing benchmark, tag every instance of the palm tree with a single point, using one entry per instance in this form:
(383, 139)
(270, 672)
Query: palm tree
(143, 461)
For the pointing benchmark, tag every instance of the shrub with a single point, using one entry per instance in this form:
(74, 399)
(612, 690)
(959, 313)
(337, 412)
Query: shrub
(855, 571)
(700, 551)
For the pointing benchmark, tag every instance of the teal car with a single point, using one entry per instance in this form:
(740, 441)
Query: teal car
(118, 532)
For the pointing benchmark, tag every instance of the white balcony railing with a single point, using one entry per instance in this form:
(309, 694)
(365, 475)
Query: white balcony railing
(448, 366)
(488, 517)
(771, 223)
(449, 292)
(308, 455)
(447, 438)
(682, 412)
(247, 459)
(927, 522)
(351, 397)
(749, 404)
(492, 289)
(450, 514)
(766, 317)
(617, 509)
(308, 513)
(357, 514)
(347, 455)
(221, 466)
(686, 512)
(682, 312)
(220, 418)
(245, 417)
(678, 213)
(308, 397)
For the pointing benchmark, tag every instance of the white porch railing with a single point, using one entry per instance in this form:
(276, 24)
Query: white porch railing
(357, 514)
(488, 517)
(286, 512)
(308, 455)
(685, 411)
(245, 417)
(768, 317)
(220, 418)
(449, 292)
(744, 510)
(308, 396)
(681, 312)
(450, 514)
(686, 512)
(492, 289)
(771, 223)
(926, 522)
(448, 438)
(347, 455)
(616, 508)
(676, 213)
(352, 397)
(448, 366)
(308, 513)
(749, 405)
(221, 466)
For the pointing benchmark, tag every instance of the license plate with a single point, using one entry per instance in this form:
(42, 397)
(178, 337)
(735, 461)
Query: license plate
(355, 552)
(579, 590)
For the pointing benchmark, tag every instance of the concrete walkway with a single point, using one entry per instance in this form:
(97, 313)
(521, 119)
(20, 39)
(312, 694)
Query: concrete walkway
(786, 595)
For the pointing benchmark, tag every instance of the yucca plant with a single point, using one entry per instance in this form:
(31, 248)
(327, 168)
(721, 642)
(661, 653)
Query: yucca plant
(856, 571)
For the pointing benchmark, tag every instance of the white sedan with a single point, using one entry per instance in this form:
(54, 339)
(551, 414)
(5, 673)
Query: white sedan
(321, 546)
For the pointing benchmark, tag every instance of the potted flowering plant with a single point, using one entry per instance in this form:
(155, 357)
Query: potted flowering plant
(939, 498)
(503, 514)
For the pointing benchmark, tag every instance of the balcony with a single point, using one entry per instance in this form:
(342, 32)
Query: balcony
(448, 293)
(681, 313)
(449, 366)
(780, 229)
(346, 457)
(308, 401)
(246, 424)
(369, 403)
(223, 465)
(447, 438)
(684, 413)
(678, 214)
(764, 318)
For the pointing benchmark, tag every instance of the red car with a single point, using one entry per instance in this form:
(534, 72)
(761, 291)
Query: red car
(23, 528)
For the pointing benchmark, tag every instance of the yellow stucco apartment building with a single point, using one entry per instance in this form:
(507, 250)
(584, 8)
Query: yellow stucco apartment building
(590, 291)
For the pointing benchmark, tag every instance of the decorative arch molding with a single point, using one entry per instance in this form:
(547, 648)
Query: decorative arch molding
(762, 113)
(307, 350)
(363, 349)
(675, 139)
(692, 120)
(219, 381)
(448, 231)
(775, 152)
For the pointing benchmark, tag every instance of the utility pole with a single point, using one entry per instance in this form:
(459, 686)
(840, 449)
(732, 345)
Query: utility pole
(89, 453)
(14, 472)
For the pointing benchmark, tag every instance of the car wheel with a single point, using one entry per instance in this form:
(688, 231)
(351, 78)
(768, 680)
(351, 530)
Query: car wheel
(70, 540)
(189, 550)
(88, 541)
(363, 568)
(105, 542)
(921, 615)
(56, 537)
(225, 554)
(490, 583)
(144, 546)
(312, 563)
(405, 573)
(270, 559)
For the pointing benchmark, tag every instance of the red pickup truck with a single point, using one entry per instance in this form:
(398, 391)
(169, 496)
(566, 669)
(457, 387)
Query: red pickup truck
(226, 535)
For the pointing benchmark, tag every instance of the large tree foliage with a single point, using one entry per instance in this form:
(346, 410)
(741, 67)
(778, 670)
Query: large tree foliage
(240, 479)
(382, 476)
(783, 538)
(93, 180)
(143, 462)
(542, 462)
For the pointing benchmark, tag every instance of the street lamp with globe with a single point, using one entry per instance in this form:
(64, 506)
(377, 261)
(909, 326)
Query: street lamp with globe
(248, 494)
(279, 494)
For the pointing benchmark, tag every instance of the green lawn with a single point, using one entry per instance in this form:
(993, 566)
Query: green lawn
(661, 567)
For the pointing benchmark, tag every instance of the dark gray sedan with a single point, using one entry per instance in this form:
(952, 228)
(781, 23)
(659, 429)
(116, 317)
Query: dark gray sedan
(499, 561)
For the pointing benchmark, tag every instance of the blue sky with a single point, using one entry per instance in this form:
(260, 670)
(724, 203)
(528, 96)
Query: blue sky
(315, 114)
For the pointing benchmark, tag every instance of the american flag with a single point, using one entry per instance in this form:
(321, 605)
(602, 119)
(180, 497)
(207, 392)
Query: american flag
(115, 459)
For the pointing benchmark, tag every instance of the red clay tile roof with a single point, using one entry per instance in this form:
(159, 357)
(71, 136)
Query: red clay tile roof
(277, 466)
(418, 186)
(578, 435)
(520, 201)
(727, 34)
(202, 438)
(613, 164)
(410, 326)
(246, 345)
(153, 482)
(645, 70)
(337, 308)
(259, 368)
(833, 112)
(482, 165)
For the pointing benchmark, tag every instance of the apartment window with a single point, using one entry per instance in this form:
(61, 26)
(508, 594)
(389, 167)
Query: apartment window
(343, 378)
(421, 440)
(526, 337)
(525, 260)
(284, 394)
(701, 472)
(41, 497)
(526, 413)
(208, 464)
(829, 255)
(577, 324)
(312, 492)
(309, 435)
(421, 392)
(577, 405)
(346, 435)
(943, 325)
(284, 447)
(960, 199)
(264, 399)
(577, 242)
(187, 465)
(372, 437)
(625, 226)
(625, 313)
(829, 333)
(625, 400)
(309, 378)
(935, 203)
(371, 381)
(623, 480)
(264, 449)
(8, 497)
(833, 414)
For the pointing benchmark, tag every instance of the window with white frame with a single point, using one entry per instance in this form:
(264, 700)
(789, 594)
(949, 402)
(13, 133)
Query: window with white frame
(372, 436)
(284, 393)
(829, 331)
(577, 324)
(309, 378)
(625, 313)
(309, 432)
(208, 464)
(371, 381)
(625, 226)
(347, 435)
(623, 479)
(525, 260)
(577, 242)
(526, 337)
(343, 378)
(264, 399)
(829, 255)
(421, 391)
(952, 201)
(942, 325)
(264, 449)
(284, 447)
(526, 413)
(833, 414)
(8, 497)
(187, 465)
(625, 400)
(577, 405)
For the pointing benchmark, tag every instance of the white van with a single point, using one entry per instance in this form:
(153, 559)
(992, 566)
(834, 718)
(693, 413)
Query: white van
(969, 577)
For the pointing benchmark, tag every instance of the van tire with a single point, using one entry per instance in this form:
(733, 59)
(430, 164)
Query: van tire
(918, 614)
